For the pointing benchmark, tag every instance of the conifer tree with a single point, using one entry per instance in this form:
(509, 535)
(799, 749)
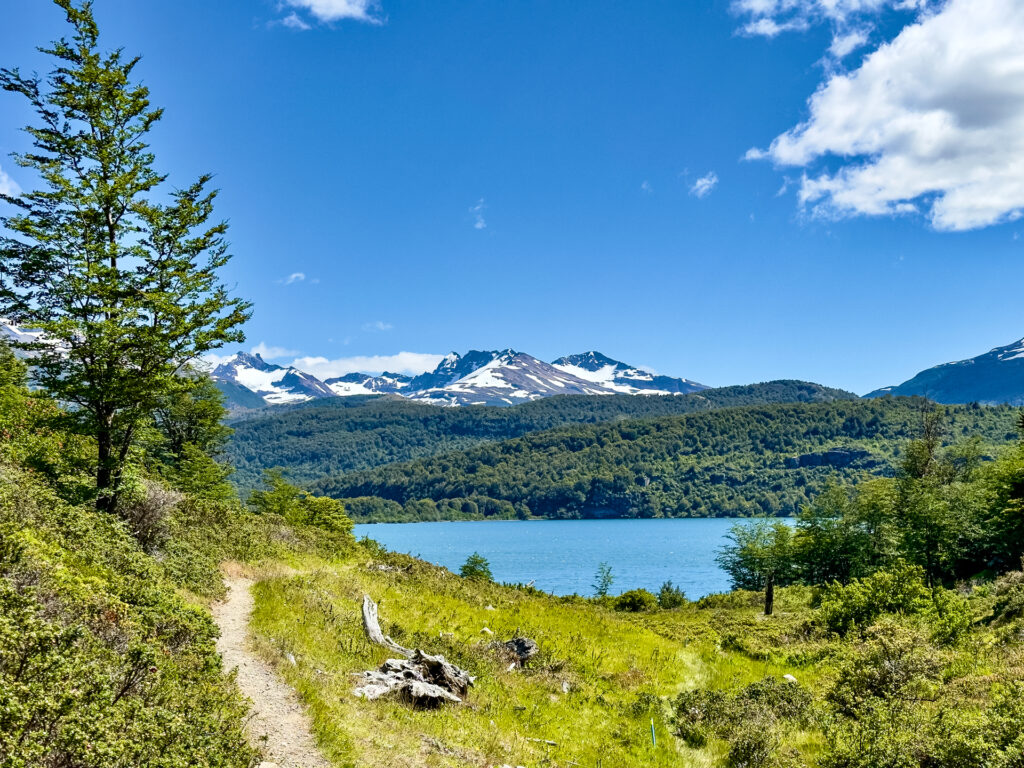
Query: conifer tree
(119, 274)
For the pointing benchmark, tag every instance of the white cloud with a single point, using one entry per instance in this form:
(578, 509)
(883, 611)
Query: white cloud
(932, 121)
(294, 21)
(337, 10)
(477, 210)
(8, 186)
(845, 43)
(769, 18)
(768, 27)
(211, 360)
(646, 187)
(295, 277)
(377, 325)
(403, 362)
(272, 353)
(702, 187)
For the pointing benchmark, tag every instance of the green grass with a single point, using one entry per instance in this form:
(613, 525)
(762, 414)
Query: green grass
(620, 669)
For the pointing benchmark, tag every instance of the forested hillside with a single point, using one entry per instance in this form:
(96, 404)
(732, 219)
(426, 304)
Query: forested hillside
(338, 435)
(752, 460)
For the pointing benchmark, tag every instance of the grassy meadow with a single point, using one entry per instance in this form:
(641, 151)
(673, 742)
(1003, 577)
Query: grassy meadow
(601, 678)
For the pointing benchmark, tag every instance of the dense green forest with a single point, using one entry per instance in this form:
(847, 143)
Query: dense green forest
(338, 435)
(746, 461)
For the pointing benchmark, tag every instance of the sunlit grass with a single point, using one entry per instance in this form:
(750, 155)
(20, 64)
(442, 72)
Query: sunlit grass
(600, 679)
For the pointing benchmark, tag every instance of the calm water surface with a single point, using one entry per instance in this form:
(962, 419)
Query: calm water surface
(561, 556)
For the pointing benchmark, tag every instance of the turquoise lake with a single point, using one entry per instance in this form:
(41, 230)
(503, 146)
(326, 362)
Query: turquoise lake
(561, 556)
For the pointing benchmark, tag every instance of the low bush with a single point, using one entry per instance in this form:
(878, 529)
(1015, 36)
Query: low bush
(890, 707)
(752, 744)
(671, 596)
(900, 590)
(1009, 594)
(146, 508)
(101, 662)
(476, 567)
(636, 601)
(748, 718)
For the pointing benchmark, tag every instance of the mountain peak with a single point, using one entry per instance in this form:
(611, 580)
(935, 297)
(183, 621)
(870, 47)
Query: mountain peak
(623, 378)
(480, 376)
(993, 378)
(275, 384)
(591, 361)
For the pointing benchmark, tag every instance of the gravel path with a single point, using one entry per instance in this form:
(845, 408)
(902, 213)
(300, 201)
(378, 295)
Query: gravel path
(279, 724)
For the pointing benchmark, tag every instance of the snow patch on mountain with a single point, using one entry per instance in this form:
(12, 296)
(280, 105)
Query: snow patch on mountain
(275, 384)
(12, 333)
(507, 378)
(622, 378)
(364, 384)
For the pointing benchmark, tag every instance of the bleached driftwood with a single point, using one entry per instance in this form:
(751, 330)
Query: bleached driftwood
(420, 679)
(371, 625)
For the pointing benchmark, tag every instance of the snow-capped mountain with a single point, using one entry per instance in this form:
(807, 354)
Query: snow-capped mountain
(454, 367)
(480, 377)
(9, 332)
(274, 384)
(622, 378)
(13, 334)
(992, 378)
(506, 378)
(364, 384)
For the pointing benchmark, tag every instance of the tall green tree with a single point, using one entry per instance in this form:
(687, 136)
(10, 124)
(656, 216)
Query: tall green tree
(759, 557)
(120, 276)
(192, 412)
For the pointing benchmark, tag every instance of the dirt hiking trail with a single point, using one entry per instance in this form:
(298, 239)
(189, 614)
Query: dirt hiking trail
(279, 724)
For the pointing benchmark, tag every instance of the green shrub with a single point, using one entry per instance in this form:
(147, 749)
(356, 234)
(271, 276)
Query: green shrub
(671, 596)
(1009, 593)
(752, 744)
(297, 507)
(900, 590)
(476, 567)
(950, 616)
(780, 699)
(748, 718)
(700, 713)
(636, 601)
(101, 662)
(880, 739)
(894, 664)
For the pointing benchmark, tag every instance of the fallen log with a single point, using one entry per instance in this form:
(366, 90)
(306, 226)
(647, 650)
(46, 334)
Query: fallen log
(422, 680)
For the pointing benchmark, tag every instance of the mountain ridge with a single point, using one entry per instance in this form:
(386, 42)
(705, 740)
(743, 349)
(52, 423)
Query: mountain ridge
(479, 377)
(995, 377)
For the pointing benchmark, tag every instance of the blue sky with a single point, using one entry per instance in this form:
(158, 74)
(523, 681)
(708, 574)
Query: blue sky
(416, 177)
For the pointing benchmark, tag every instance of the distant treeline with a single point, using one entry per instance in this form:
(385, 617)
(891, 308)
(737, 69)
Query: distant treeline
(338, 435)
(727, 462)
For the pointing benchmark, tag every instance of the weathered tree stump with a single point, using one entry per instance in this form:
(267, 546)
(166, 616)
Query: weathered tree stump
(419, 679)
(371, 625)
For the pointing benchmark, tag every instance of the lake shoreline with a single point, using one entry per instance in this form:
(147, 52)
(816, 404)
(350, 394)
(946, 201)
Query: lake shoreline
(562, 556)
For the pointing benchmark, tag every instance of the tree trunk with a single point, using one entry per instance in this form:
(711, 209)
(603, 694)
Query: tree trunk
(104, 470)
(769, 595)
